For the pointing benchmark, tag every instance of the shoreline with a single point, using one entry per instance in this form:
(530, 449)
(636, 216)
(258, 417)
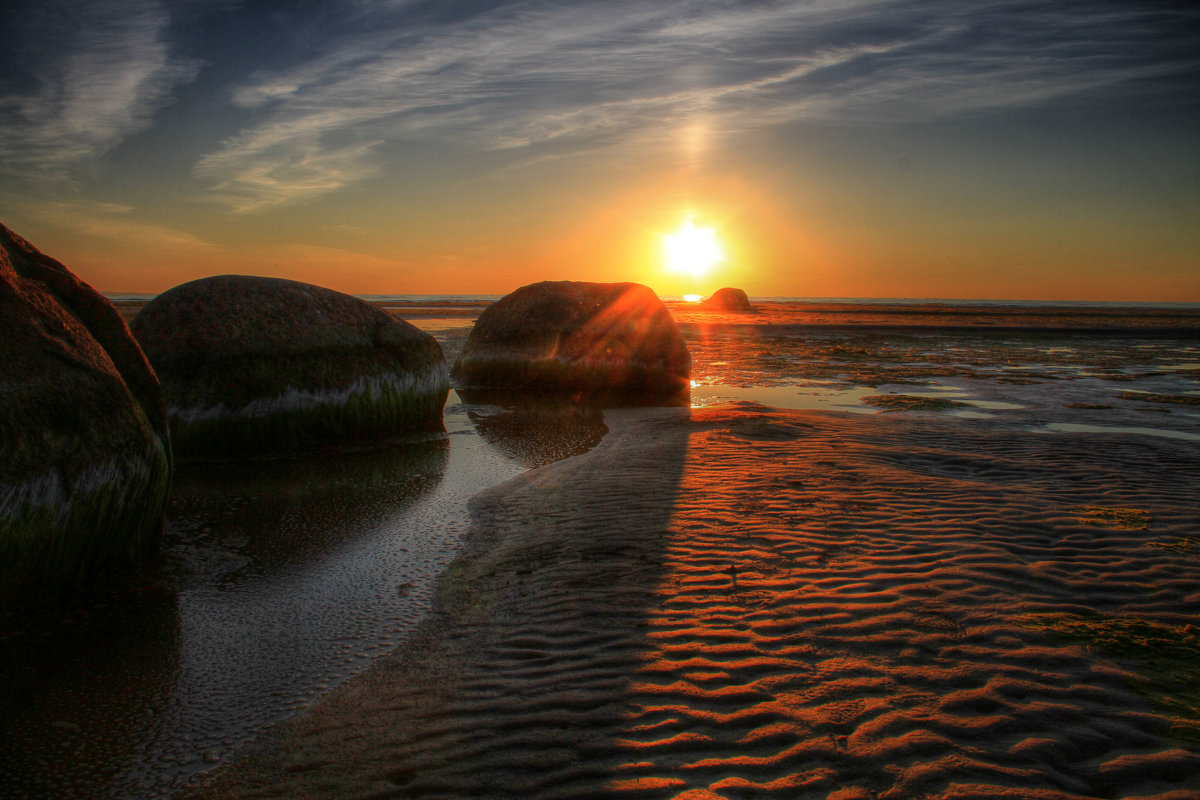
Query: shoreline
(1176, 320)
(784, 603)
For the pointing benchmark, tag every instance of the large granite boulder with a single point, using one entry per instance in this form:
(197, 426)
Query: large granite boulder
(85, 460)
(729, 300)
(594, 339)
(256, 365)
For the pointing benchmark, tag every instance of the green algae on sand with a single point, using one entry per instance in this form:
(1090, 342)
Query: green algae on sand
(1167, 658)
(1126, 519)
(1154, 397)
(1180, 544)
(909, 402)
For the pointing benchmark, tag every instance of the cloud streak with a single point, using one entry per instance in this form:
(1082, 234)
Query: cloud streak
(550, 79)
(112, 222)
(99, 71)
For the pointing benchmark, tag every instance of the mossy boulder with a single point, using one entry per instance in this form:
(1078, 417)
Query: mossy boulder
(599, 340)
(85, 458)
(254, 366)
(728, 300)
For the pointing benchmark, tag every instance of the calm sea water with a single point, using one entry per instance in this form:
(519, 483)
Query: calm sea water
(281, 579)
(1083, 368)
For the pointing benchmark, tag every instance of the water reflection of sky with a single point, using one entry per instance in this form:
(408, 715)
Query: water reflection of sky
(279, 580)
(1130, 383)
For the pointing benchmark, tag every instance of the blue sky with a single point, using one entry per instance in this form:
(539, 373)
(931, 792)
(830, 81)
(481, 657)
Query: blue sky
(858, 148)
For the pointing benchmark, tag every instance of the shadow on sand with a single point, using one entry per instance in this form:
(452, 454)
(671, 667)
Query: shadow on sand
(518, 683)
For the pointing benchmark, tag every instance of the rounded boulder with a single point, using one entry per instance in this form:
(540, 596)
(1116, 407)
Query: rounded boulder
(85, 457)
(728, 300)
(254, 365)
(592, 339)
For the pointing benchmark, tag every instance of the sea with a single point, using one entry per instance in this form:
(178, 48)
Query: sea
(278, 580)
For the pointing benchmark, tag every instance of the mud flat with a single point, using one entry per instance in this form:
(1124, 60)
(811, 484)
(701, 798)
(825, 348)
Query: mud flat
(743, 602)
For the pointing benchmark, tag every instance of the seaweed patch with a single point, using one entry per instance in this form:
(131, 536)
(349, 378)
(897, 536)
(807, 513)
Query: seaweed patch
(1167, 656)
(908, 402)
(1126, 519)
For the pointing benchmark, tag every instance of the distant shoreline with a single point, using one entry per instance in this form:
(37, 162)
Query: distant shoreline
(892, 315)
(486, 299)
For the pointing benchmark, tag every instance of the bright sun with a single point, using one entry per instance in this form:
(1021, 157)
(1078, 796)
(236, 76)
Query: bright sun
(691, 250)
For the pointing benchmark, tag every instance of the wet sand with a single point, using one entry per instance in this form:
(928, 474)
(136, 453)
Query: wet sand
(742, 602)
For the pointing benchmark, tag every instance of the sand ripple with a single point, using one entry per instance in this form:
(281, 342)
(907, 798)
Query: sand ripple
(749, 603)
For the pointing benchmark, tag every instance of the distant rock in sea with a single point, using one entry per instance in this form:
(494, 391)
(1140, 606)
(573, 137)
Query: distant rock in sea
(594, 339)
(256, 365)
(728, 300)
(85, 461)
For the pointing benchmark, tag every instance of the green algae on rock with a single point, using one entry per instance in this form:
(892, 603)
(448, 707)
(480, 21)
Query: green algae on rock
(85, 463)
(254, 365)
(591, 339)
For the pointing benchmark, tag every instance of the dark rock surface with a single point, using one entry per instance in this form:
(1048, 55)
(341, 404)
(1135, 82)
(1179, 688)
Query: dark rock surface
(728, 300)
(85, 460)
(260, 365)
(594, 339)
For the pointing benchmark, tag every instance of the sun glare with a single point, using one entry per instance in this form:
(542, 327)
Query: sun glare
(692, 250)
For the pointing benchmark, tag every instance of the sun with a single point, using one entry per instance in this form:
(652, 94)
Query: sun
(692, 250)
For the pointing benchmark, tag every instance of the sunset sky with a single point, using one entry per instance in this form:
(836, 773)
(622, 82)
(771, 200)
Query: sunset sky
(991, 149)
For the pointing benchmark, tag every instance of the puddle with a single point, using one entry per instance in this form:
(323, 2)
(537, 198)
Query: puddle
(433, 324)
(810, 395)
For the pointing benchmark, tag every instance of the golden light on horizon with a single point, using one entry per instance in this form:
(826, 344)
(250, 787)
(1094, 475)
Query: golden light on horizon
(692, 298)
(692, 250)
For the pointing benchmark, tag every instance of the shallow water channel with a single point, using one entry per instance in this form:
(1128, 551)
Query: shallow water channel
(277, 581)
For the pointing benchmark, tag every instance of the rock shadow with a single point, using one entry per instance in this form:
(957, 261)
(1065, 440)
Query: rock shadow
(268, 515)
(265, 565)
(518, 684)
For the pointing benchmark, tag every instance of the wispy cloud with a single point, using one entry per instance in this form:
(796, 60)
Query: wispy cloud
(100, 71)
(112, 222)
(555, 78)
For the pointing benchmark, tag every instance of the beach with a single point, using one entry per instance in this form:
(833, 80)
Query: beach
(897, 559)
(529, 400)
(741, 602)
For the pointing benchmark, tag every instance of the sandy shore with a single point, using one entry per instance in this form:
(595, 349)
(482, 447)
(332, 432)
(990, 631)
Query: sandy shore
(740, 602)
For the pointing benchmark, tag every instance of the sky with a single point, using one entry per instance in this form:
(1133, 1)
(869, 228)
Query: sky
(1002, 149)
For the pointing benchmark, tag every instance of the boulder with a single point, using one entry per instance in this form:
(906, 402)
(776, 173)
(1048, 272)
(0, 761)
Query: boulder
(85, 458)
(255, 365)
(728, 300)
(596, 339)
